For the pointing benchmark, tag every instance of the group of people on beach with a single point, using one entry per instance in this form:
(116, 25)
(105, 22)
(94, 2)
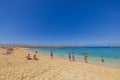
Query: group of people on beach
(72, 57)
(29, 57)
(9, 50)
(34, 56)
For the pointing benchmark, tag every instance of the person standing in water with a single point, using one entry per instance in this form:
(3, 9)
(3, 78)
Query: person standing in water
(73, 56)
(35, 52)
(69, 56)
(85, 58)
(102, 59)
(51, 55)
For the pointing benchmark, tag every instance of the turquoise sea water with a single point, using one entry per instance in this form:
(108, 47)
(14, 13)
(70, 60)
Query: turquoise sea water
(111, 55)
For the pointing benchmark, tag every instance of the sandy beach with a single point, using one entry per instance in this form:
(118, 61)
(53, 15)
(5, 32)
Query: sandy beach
(16, 67)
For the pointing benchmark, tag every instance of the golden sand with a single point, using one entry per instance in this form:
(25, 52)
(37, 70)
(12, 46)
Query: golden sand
(17, 67)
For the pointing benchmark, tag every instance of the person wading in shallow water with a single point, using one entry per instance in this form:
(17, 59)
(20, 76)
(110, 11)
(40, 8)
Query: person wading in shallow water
(85, 58)
(69, 56)
(73, 56)
(51, 55)
(102, 59)
(35, 52)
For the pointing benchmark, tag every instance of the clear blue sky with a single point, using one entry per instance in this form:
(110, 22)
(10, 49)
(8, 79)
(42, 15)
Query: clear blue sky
(60, 22)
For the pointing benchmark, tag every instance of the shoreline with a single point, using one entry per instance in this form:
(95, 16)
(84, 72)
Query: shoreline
(79, 61)
(17, 67)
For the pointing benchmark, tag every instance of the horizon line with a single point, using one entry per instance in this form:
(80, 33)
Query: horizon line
(28, 45)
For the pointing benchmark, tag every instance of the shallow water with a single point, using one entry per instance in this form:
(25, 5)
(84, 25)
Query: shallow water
(111, 55)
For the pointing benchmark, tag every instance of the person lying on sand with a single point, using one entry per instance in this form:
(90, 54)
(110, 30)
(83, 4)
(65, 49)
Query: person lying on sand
(28, 57)
(34, 57)
(85, 57)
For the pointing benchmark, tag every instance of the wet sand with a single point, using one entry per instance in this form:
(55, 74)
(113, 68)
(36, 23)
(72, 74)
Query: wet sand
(17, 67)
